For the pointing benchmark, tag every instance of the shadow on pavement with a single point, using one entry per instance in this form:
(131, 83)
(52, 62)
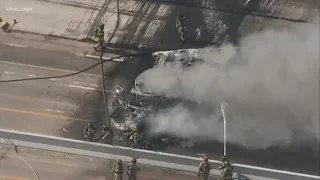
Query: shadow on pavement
(241, 177)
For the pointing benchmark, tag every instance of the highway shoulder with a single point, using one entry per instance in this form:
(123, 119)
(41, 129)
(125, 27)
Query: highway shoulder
(47, 163)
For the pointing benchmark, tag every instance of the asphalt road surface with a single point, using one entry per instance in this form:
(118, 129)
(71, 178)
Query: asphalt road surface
(53, 100)
(56, 106)
(52, 166)
(71, 102)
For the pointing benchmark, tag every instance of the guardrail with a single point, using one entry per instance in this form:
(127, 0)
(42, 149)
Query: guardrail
(166, 160)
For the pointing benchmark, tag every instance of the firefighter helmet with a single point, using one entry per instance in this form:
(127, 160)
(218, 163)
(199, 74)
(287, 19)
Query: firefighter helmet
(224, 158)
(101, 25)
(134, 160)
(180, 17)
(206, 159)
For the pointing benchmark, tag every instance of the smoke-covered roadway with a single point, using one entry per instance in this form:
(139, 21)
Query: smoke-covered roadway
(271, 90)
(271, 93)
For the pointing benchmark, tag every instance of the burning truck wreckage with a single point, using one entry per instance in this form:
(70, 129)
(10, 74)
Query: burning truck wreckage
(133, 110)
(130, 111)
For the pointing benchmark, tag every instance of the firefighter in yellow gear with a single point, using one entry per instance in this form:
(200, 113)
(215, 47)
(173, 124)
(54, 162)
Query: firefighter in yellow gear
(106, 134)
(181, 25)
(6, 26)
(132, 170)
(226, 169)
(118, 170)
(135, 138)
(89, 132)
(204, 169)
(99, 35)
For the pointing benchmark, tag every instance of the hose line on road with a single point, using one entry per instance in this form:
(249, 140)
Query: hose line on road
(75, 73)
(101, 65)
(10, 143)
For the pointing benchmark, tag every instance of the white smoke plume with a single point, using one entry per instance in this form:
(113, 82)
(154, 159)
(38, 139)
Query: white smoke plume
(271, 87)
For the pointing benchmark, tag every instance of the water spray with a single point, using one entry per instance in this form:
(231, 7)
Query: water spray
(224, 129)
(246, 3)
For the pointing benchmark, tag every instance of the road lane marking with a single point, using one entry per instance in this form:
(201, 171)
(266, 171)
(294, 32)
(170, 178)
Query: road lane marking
(89, 88)
(52, 110)
(104, 58)
(98, 57)
(21, 111)
(31, 75)
(78, 54)
(94, 85)
(47, 68)
(15, 45)
(83, 87)
(8, 72)
(76, 82)
(54, 79)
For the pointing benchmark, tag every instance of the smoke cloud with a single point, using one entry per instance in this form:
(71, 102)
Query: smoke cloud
(271, 86)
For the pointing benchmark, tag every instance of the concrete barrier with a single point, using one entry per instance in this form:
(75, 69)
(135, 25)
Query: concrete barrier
(166, 160)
